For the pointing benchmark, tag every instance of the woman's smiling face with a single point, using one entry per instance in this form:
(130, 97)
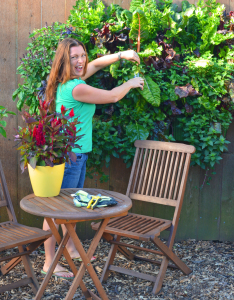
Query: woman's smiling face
(78, 60)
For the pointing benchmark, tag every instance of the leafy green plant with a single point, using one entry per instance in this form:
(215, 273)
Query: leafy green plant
(4, 114)
(186, 60)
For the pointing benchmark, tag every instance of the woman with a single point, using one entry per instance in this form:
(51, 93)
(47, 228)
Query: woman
(67, 86)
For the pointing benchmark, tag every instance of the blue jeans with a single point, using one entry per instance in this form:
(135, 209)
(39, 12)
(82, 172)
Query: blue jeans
(74, 175)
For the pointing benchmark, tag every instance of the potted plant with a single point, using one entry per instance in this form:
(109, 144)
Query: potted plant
(46, 143)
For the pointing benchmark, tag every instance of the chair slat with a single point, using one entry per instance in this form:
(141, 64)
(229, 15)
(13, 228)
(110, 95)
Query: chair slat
(146, 176)
(179, 176)
(138, 169)
(148, 224)
(127, 224)
(130, 221)
(143, 168)
(118, 220)
(133, 173)
(166, 192)
(156, 171)
(163, 201)
(159, 179)
(165, 173)
(151, 226)
(165, 146)
(151, 172)
(138, 225)
(174, 176)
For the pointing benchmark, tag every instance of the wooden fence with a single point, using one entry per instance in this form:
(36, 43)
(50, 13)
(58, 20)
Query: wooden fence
(207, 213)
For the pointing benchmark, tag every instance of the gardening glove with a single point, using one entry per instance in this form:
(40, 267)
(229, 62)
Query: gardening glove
(82, 198)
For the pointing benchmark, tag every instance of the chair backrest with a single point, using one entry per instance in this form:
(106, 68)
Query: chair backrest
(159, 172)
(5, 200)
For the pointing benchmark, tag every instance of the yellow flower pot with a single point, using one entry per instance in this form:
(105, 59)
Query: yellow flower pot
(46, 181)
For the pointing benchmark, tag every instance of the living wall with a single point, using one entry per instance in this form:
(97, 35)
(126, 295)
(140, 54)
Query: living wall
(186, 60)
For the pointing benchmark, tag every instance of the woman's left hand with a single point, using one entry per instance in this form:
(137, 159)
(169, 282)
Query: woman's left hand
(130, 55)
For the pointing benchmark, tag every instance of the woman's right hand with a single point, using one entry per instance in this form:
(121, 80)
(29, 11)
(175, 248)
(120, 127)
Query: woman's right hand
(137, 82)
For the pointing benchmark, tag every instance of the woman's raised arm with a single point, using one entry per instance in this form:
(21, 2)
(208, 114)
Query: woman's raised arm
(107, 60)
(89, 94)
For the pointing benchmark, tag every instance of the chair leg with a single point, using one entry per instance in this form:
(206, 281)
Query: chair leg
(10, 265)
(110, 259)
(171, 255)
(128, 254)
(15, 261)
(160, 277)
(29, 271)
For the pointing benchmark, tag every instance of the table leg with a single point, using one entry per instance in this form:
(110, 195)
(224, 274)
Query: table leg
(86, 260)
(52, 267)
(67, 256)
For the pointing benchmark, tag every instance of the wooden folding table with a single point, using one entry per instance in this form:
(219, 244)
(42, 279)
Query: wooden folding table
(63, 211)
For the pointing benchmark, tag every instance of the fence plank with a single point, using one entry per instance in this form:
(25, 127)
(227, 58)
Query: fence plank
(29, 18)
(231, 3)
(209, 205)
(125, 4)
(52, 11)
(188, 218)
(8, 62)
(227, 203)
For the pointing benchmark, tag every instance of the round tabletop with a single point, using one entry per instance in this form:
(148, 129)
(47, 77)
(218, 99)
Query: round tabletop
(62, 207)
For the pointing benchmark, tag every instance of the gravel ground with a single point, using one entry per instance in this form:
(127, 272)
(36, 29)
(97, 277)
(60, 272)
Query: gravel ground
(212, 277)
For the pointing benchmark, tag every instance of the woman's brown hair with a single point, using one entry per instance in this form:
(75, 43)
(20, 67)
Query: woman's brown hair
(61, 68)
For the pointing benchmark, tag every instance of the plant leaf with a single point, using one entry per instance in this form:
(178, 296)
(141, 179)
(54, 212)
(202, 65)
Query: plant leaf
(2, 132)
(33, 162)
(136, 132)
(151, 91)
(135, 4)
(139, 30)
(72, 156)
(3, 123)
(113, 69)
(49, 162)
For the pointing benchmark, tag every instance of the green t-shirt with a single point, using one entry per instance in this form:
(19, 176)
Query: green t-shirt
(84, 112)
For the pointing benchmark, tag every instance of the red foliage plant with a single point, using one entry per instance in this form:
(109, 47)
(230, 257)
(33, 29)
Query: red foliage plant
(48, 138)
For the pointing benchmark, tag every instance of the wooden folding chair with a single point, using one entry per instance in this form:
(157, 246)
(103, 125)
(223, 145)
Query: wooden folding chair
(13, 234)
(158, 175)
